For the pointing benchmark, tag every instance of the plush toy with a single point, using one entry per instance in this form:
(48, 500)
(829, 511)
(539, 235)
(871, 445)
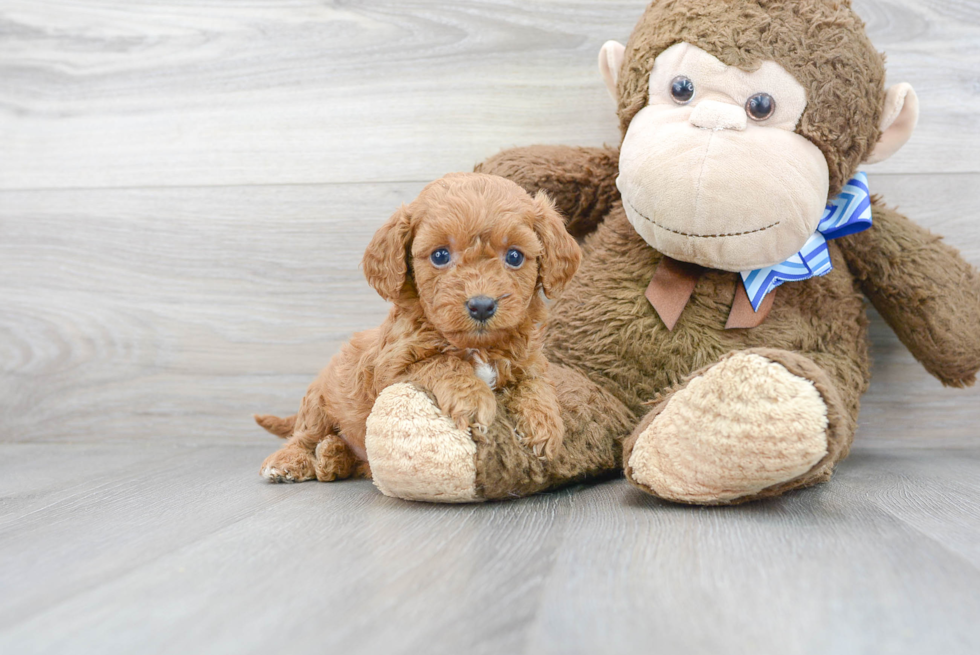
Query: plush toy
(713, 344)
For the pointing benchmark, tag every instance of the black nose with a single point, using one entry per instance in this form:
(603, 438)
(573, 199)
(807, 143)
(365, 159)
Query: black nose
(481, 308)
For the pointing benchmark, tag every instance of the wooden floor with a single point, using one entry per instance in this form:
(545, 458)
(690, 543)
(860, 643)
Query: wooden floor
(186, 189)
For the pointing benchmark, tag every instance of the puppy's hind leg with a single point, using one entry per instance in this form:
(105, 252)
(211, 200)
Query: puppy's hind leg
(336, 461)
(296, 460)
(291, 463)
(330, 459)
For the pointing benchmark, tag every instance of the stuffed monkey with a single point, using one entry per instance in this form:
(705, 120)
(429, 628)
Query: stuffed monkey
(713, 344)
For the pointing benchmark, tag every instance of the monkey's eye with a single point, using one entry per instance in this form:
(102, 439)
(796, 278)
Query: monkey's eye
(514, 258)
(440, 257)
(760, 106)
(682, 90)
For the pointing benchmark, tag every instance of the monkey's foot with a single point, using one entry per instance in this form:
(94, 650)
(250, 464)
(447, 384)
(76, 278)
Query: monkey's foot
(755, 424)
(416, 452)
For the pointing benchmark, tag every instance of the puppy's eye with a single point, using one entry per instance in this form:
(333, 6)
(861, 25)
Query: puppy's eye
(682, 90)
(440, 258)
(760, 106)
(514, 258)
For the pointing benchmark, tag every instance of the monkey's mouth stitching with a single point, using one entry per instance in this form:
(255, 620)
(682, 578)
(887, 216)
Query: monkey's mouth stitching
(702, 236)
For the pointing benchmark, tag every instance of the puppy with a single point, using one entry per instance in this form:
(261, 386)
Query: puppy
(463, 265)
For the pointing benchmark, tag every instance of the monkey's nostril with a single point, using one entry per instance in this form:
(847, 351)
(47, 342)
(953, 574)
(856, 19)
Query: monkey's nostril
(481, 308)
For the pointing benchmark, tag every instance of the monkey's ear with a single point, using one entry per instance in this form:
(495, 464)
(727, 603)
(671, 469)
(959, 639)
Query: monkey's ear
(610, 61)
(561, 255)
(385, 261)
(898, 120)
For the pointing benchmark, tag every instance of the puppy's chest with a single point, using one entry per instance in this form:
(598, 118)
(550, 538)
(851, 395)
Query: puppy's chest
(494, 372)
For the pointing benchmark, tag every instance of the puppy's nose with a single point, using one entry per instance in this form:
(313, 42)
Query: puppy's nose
(481, 307)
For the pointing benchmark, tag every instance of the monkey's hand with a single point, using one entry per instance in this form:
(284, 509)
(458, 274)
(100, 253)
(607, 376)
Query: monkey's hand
(924, 289)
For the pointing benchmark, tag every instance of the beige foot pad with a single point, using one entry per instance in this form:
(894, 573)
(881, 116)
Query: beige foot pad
(742, 426)
(418, 453)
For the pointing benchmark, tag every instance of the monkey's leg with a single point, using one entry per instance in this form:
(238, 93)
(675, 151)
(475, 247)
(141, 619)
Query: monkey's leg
(418, 453)
(757, 423)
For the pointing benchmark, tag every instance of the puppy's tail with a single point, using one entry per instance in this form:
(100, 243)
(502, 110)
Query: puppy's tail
(281, 427)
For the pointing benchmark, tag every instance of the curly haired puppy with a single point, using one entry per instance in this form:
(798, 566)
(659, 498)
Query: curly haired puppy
(463, 265)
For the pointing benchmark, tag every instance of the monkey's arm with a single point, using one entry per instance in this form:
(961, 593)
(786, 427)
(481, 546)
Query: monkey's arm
(924, 289)
(581, 181)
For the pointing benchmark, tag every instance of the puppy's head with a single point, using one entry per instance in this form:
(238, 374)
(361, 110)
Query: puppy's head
(473, 249)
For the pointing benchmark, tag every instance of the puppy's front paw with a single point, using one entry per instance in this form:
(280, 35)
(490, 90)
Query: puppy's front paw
(474, 410)
(288, 465)
(541, 431)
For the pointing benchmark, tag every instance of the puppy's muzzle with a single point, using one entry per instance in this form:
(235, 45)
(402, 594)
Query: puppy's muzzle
(481, 308)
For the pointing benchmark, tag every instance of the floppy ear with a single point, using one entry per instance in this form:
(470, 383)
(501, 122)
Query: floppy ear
(562, 255)
(385, 261)
(898, 120)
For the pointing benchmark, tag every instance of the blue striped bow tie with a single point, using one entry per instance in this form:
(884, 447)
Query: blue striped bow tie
(847, 213)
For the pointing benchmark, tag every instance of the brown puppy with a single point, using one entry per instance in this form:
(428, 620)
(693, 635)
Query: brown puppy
(463, 265)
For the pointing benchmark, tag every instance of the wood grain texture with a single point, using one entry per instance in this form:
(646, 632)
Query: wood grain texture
(116, 93)
(193, 553)
(174, 314)
(143, 314)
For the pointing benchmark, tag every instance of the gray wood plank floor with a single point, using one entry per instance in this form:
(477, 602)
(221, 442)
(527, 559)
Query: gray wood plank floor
(176, 549)
(186, 189)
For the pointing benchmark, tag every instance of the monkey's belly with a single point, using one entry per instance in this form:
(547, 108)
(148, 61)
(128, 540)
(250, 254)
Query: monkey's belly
(604, 326)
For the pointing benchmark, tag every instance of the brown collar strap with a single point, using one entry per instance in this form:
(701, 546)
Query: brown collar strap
(673, 283)
(671, 287)
(742, 314)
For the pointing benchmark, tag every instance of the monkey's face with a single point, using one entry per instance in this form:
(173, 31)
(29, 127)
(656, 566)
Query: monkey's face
(711, 170)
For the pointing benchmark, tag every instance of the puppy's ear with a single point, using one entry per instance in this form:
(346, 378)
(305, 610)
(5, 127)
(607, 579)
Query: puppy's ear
(385, 261)
(561, 254)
